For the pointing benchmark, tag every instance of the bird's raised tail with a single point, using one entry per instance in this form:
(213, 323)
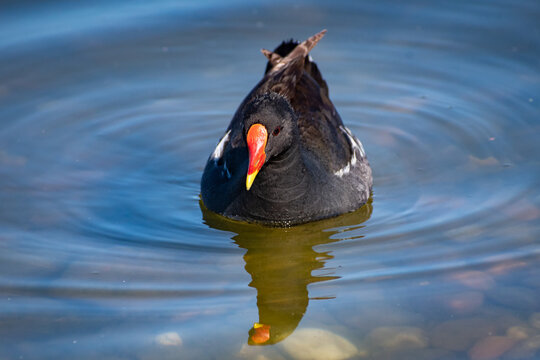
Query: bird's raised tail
(287, 63)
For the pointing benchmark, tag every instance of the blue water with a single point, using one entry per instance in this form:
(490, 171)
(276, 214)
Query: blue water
(109, 110)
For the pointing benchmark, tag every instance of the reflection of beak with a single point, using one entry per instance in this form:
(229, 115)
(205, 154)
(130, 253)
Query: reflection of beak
(256, 141)
(262, 333)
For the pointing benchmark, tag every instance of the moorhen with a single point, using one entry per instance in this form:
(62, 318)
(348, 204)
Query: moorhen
(286, 157)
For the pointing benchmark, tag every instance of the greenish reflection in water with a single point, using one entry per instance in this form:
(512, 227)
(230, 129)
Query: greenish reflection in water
(281, 262)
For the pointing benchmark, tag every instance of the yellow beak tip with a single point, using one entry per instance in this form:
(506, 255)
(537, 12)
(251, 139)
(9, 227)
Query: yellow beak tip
(249, 180)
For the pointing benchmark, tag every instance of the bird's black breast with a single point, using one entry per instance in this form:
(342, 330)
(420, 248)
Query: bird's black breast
(224, 177)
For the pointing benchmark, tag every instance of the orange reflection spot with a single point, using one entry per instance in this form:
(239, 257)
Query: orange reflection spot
(262, 333)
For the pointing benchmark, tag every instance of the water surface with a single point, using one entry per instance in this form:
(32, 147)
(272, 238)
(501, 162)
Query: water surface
(109, 111)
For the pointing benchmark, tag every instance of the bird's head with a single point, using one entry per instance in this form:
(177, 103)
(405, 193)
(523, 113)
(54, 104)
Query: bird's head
(270, 129)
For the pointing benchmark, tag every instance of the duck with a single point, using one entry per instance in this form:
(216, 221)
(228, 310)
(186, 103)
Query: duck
(286, 157)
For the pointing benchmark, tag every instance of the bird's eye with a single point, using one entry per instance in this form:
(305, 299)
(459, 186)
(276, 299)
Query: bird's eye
(276, 131)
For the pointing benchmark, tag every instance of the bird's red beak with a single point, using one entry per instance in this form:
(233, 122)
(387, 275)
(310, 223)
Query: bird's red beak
(256, 141)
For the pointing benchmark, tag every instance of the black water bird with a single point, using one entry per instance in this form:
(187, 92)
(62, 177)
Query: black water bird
(286, 157)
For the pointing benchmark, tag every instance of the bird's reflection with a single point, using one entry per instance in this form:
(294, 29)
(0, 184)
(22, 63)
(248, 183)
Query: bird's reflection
(281, 262)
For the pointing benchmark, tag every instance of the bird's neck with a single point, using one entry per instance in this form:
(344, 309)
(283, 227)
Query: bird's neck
(283, 176)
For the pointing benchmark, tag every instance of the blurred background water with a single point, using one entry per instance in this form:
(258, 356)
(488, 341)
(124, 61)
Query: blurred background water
(109, 110)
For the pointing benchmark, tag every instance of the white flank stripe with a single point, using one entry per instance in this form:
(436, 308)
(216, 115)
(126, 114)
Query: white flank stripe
(218, 152)
(355, 145)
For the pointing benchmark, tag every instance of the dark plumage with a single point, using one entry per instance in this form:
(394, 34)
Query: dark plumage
(303, 163)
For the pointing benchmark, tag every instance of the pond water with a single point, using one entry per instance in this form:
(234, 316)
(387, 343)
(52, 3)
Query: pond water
(109, 111)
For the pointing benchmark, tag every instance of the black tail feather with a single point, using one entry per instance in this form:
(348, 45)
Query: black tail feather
(310, 67)
(283, 50)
